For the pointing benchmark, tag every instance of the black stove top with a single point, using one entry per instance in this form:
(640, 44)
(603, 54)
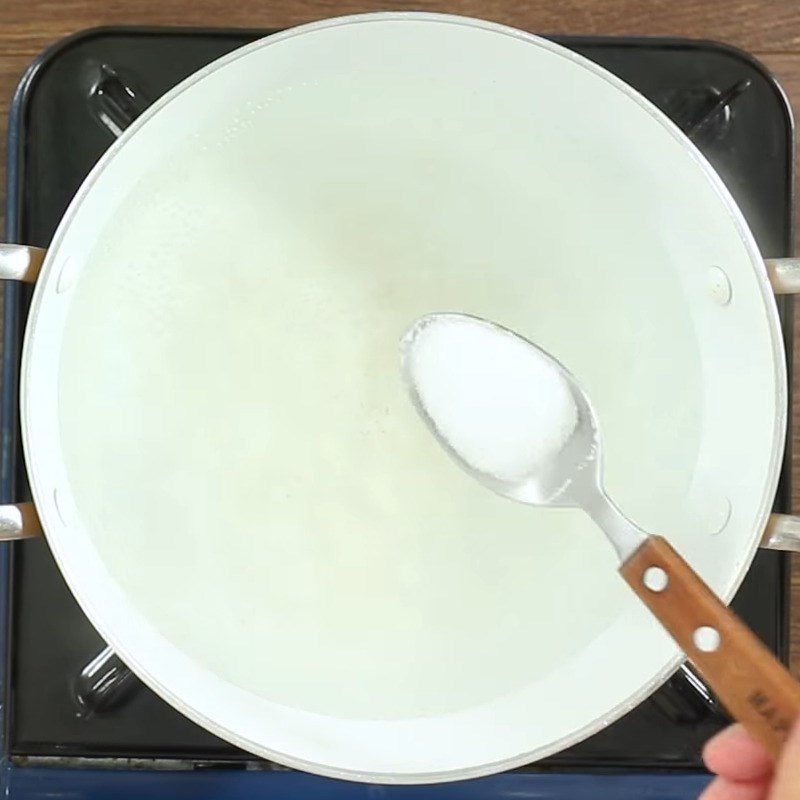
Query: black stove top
(68, 109)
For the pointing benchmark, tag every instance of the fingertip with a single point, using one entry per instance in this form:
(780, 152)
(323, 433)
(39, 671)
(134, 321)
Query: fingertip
(711, 792)
(735, 755)
(723, 789)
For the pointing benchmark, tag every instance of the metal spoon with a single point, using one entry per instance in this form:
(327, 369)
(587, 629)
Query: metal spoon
(750, 681)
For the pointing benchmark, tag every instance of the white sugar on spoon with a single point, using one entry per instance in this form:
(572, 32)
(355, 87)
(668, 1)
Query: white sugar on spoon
(516, 419)
(499, 404)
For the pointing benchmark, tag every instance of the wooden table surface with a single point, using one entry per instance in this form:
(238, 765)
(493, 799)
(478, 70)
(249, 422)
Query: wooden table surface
(770, 29)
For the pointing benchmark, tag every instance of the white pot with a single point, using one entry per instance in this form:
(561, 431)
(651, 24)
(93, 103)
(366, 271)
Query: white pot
(222, 457)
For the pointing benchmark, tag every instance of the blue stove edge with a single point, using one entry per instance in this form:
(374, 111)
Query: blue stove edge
(38, 783)
(21, 782)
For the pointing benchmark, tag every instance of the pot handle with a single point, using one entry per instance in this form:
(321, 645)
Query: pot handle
(783, 530)
(783, 274)
(782, 533)
(19, 262)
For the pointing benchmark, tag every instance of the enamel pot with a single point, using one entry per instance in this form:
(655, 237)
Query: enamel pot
(220, 450)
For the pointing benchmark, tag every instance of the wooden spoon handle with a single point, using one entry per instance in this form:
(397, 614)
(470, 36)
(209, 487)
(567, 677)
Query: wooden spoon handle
(751, 683)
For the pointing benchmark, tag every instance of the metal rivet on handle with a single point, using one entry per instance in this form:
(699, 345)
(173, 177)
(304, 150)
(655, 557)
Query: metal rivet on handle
(67, 274)
(706, 639)
(719, 514)
(655, 579)
(57, 504)
(719, 287)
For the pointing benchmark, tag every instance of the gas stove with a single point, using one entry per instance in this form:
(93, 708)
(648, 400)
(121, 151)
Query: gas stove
(76, 722)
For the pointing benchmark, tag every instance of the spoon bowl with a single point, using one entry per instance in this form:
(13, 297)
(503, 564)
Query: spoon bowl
(571, 477)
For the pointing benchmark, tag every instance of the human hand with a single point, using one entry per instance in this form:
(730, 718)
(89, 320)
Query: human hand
(745, 771)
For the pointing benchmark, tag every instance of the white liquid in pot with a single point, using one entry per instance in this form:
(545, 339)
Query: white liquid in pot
(241, 446)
